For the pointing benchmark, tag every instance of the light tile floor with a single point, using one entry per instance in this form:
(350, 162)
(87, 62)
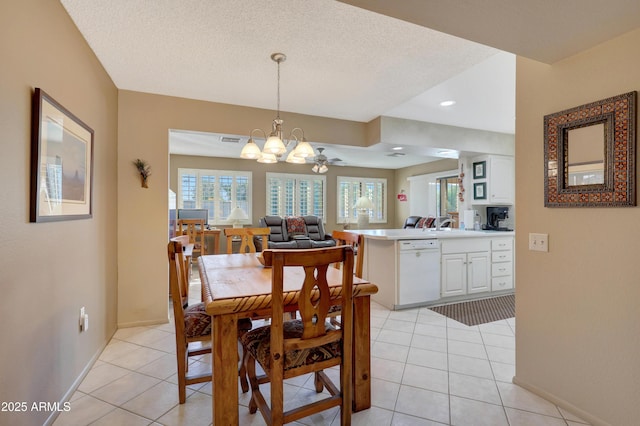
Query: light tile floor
(426, 370)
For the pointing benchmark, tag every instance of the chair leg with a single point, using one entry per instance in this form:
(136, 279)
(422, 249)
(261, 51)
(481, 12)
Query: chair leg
(182, 373)
(242, 372)
(317, 382)
(250, 366)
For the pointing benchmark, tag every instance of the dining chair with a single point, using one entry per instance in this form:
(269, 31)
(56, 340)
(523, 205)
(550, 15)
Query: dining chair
(186, 255)
(357, 242)
(246, 238)
(287, 349)
(194, 228)
(246, 244)
(192, 324)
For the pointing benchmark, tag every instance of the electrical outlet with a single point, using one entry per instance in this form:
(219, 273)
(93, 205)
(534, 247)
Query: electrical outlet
(539, 242)
(82, 319)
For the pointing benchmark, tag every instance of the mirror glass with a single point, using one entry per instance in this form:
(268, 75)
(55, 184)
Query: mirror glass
(586, 152)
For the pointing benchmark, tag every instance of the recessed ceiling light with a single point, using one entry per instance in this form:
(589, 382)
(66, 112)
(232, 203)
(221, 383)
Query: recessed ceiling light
(397, 148)
(449, 153)
(447, 103)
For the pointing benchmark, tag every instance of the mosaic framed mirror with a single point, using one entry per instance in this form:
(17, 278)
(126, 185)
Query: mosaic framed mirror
(589, 154)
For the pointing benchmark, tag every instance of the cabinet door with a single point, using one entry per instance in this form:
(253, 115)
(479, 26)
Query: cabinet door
(501, 180)
(479, 274)
(453, 274)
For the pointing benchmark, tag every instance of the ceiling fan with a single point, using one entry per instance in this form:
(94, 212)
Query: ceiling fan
(321, 163)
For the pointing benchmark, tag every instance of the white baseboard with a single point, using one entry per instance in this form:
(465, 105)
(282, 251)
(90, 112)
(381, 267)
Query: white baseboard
(143, 323)
(76, 383)
(565, 405)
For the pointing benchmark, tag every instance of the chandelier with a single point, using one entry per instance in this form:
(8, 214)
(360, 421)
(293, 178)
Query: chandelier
(276, 146)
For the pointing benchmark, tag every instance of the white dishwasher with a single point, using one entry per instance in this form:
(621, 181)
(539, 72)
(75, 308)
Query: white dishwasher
(418, 271)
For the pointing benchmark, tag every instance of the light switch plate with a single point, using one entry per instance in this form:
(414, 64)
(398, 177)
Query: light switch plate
(539, 242)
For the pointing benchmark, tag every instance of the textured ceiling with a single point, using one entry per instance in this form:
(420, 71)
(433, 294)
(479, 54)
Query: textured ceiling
(343, 61)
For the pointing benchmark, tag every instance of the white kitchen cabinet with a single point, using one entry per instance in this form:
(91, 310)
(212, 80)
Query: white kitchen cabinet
(465, 267)
(468, 265)
(453, 273)
(501, 264)
(465, 273)
(499, 179)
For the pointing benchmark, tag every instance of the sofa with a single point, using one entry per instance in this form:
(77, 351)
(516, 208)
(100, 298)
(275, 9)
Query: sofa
(294, 232)
(419, 222)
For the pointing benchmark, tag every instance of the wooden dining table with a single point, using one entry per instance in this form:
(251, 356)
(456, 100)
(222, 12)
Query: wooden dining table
(238, 286)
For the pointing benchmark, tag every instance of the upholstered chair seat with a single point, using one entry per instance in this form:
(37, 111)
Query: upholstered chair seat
(197, 322)
(258, 343)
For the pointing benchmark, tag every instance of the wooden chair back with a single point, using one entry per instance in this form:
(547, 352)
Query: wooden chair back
(313, 304)
(246, 238)
(177, 281)
(357, 242)
(194, 228)
(186, 269)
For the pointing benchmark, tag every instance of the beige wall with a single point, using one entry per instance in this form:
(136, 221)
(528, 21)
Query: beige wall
(577, 306)
(49, 270)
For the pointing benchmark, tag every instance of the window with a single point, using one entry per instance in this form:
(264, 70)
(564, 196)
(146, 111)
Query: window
(351, 188)
(296, 195)
(218, 191)
(447, 195)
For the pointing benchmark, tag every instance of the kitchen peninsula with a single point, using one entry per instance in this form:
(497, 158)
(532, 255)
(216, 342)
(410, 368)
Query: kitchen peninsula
(415, 267)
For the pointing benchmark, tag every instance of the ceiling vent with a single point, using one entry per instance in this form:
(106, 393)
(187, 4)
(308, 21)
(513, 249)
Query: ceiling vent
(229, 139)
(396, 154)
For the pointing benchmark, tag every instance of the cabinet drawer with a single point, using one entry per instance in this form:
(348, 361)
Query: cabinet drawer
(502, 256)
(465, 245)
(502, 244)
(501, 269)
(502, 283)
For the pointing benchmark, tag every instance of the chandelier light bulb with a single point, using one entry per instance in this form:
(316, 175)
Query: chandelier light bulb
(250, 151)
(267, 158)
(304, 150)
(292, 158)
(274, 145)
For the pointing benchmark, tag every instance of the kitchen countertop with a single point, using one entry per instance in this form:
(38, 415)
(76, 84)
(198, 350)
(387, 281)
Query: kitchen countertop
(419, 234)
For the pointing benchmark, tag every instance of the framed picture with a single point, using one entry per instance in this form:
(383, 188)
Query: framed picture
(480, 191)
(480, 170)
(61, 162)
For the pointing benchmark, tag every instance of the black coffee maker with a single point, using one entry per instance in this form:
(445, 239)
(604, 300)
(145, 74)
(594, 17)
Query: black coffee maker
(494, 216)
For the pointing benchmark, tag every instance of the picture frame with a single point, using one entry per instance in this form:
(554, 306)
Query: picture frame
(571, 137)
(480, 170)
(480, 191)
(61, 162)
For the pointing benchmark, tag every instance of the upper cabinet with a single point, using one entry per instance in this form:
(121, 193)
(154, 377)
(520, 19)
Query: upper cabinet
(493, 180)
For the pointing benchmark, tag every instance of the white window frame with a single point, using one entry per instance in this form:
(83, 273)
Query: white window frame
(217, 215)
(281, 209)
(359, 185)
